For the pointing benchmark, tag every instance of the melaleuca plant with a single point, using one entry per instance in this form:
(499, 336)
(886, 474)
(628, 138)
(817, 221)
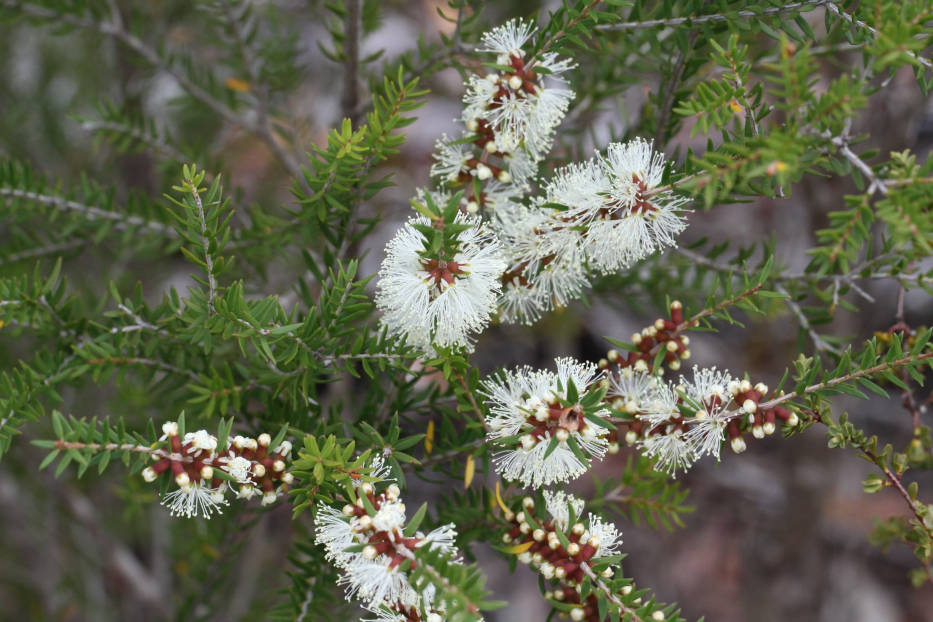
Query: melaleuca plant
(204, 313)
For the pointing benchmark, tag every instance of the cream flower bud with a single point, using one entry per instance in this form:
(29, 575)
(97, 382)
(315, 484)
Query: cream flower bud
(659, 324)
(613, 355)
(768, 428)
(393, 491)
(524, 528)
(761, 388)
(793, 420)
(268, 498)
(182, 480)
(472, 207)
(641, 365)
(562, 434)
(366, 488)
(686, 354)
(733, 387)
(625, 591)
(671, 346)
(525, 557)
(578, 529)
(541, 413)
(528, 503)
(613, 448)
(170, 428)
(259, 470)
(506, 538)
(483, 172)
(264, 440)
(631, 437)
(593, 542)
(573, 549)
(528, 441)
(547, 570)
(207, 472)
(365, 521)
(658, 616)
(515, 82)
(504, 176)
(348, 510)
(675, 364)
(520, 517)
(538, 535)
(636, 338)
(492, 78)
(288, 478)
(685, 340)
(758, 431)
(559, 572)
(577, 614)
(701, 414)
(749, 406)
(434, 617)
(149, 474)
(744, 386)
(370, 552)
(491, 146)
(738, 444)
(278, 466)
(607, 572)
(472, 125)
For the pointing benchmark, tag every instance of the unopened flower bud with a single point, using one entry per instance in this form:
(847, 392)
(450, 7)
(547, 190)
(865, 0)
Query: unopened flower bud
(366, 488)
(607, 572)
(613, 448)
(538, 535)
(613, 355)
(524, 528)
(278, 466)
(268, 498)
(758, 431)
(472, 125)
(515, 82)
(491, 146)
(685, 355)
(671, 346)
(528, 503)
(370, 552)
(738, 444)
(393, 491)
(562, 434)
(149, 474)
(483, 172)
(768, 427)
(259, 470)
(749, 406)
(528, 441)
(573, 549)
(434, 617)
(472, 207)
(675, 364)
(525, 557)
(547, 570)
(182, 480)
(701, 414)
(348, 510)
(170, 428)
(593, 542)
(626, 590)
(577, 614)
(492, 77)
(559, 572)
(288, 478)
(636, 338)
(793, 420)
(264, 440)
(761, 388)
(744, 386)
(658, 616)
(207, 472)
(631, 437)
(504, 176)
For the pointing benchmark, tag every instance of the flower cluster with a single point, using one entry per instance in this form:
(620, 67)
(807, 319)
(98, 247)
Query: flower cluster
(203, 472)
(678, 423)
(603, 214)
(439, 295)
(663, 334)
(370, 543)
(561, 546)
(510, 115)
(525, 255)
(548, 424)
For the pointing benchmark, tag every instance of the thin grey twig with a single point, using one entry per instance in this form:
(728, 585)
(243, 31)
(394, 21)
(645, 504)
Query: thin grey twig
(834, 8)
(716, 17)
(122, 221)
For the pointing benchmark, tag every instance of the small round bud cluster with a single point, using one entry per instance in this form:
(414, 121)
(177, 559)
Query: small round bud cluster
(194, 464)
(663, 334)
(546, 437)
(760, 422)
(561, 544)
(372, 525)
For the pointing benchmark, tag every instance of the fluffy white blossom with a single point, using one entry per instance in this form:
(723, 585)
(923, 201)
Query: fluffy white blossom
(194, 500)
(436, 301)
(527, 405)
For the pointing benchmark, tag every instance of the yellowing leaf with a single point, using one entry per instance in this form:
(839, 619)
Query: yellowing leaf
(240, 86)
(518, 549)
(499, 499)
(429, 438)
(470, 470)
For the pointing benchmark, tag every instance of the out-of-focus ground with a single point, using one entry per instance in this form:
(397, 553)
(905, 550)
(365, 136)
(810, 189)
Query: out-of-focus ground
(779, 533)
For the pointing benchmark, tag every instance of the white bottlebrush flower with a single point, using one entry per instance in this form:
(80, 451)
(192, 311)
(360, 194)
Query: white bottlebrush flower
(450, 159)
(662, 409)
(634, 389)
(670, 449)
(238, 468)
(508, 39)
(434, 301)
(636, 216)
(194, 499)
(709, 393)
(376, 582)
(558, 505)
(526, 413)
